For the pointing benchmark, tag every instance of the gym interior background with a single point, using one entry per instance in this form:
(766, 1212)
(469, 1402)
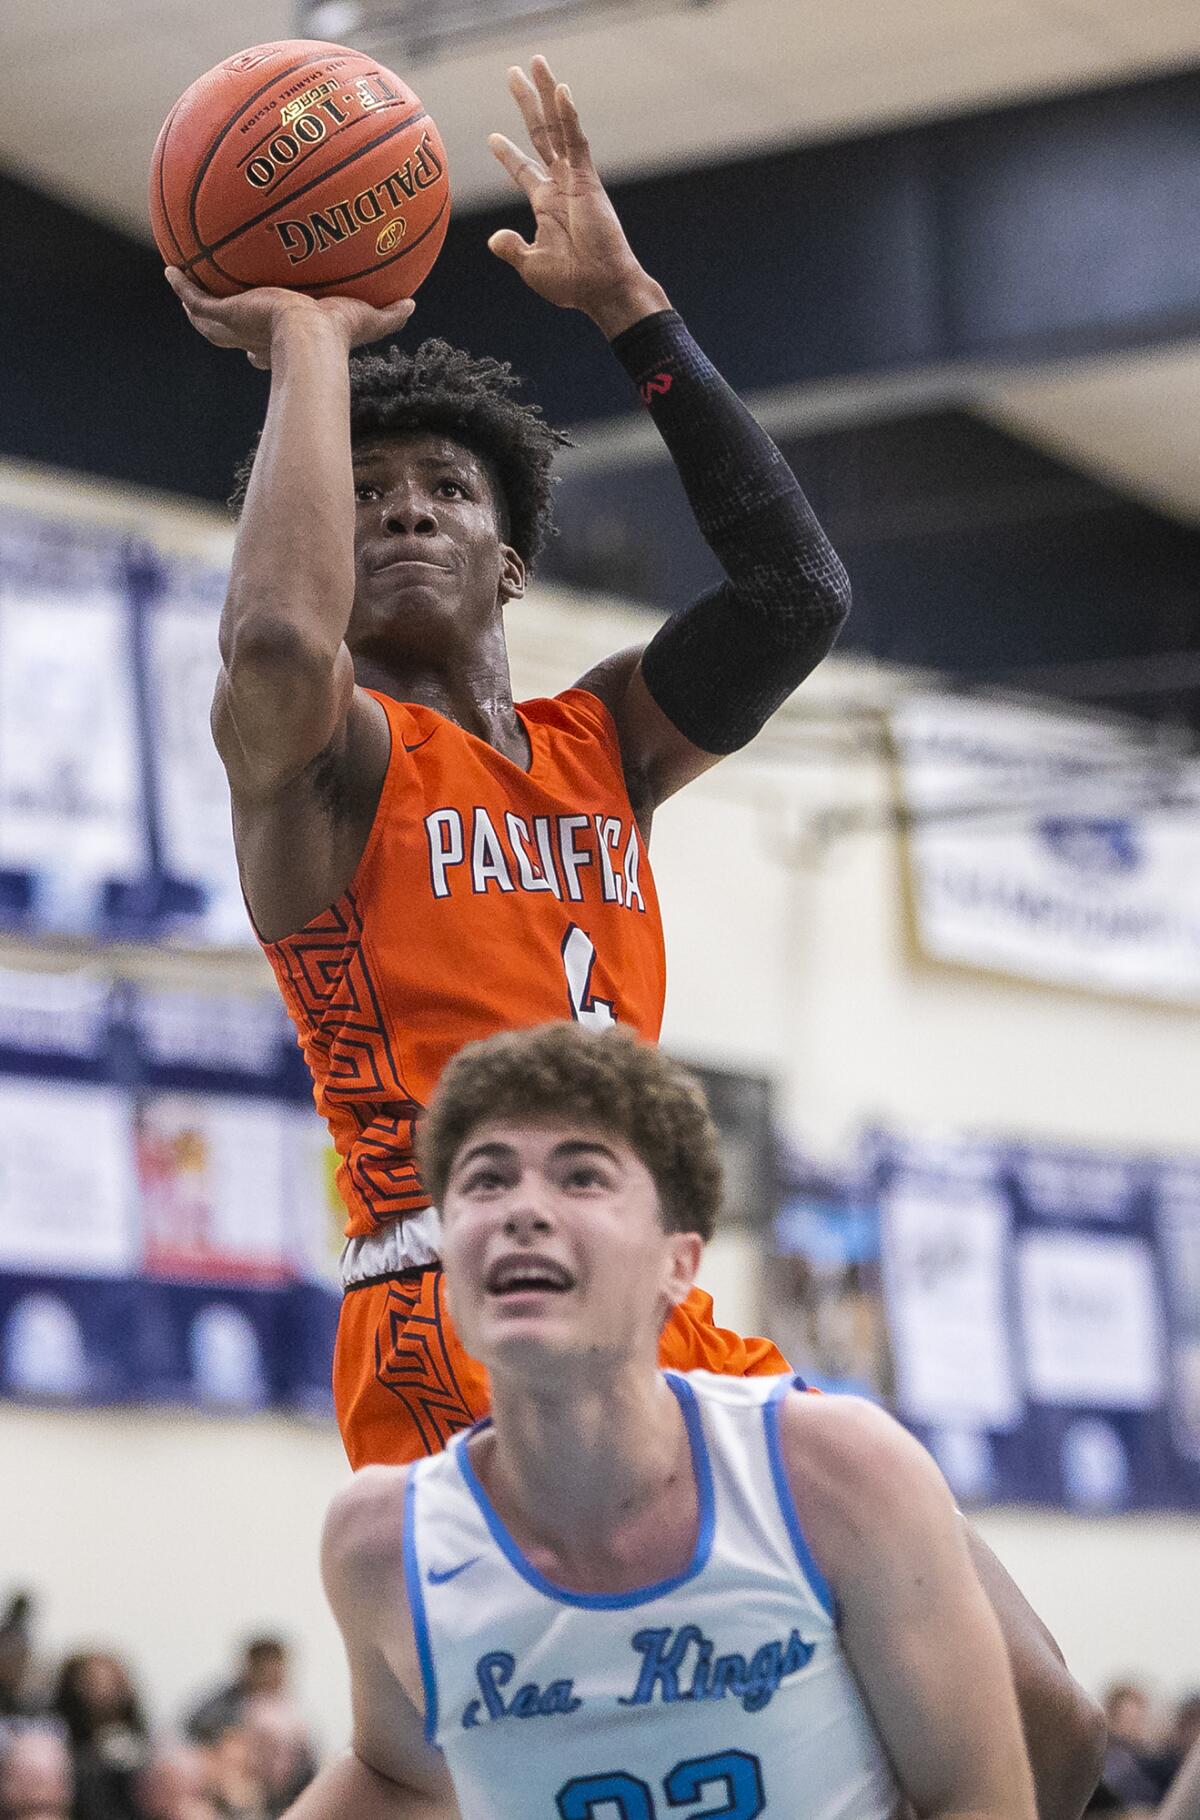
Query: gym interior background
(934, 941)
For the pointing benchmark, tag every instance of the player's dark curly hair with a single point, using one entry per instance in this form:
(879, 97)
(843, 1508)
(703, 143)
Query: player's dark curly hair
(609, 1079)
(472, 400)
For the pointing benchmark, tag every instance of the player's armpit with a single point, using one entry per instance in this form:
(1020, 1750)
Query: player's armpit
(300, 833)
(913, 1619)
(281, 698)
(656, 757)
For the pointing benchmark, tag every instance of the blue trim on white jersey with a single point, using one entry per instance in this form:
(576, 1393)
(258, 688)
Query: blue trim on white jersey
(787, 1503)
(416, 1605)
(641, 1595)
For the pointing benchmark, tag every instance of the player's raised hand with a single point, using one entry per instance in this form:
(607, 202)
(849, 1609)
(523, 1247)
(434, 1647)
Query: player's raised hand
(579, 257)
(251, 320)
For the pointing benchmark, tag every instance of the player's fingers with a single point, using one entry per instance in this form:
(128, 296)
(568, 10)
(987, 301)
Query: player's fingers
(547, 94)
(575, 145)
(508, 245)
(186, 289)
(525, 171)
(256, 360)
(397, 314)
(527, 99)
(198, 306)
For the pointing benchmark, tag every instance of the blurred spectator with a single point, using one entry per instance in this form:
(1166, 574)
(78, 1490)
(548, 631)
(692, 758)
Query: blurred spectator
(35, 1771)
(1137, 1771)
(174, 1784)
(1185, 1732)
(234, 1787)
(16, 1657)
(280, 1748)
(264, 1669)
(1127, 1709)
(94, 1698)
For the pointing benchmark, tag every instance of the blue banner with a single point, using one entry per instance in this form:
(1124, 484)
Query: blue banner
(1044, 1310)
(169, 1226)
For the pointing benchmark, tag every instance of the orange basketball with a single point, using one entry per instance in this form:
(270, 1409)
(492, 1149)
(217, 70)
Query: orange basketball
(305, 165)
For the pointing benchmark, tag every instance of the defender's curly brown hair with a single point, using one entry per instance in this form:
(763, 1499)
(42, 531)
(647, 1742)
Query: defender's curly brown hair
(607, 1079)
(439, 387)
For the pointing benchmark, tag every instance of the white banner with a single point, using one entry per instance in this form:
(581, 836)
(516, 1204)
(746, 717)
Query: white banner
(1089, 1307)
(945, 1242)
(68, 1198)
(211, 1174)
(1037, 846)
(196, 825)
(70, 785)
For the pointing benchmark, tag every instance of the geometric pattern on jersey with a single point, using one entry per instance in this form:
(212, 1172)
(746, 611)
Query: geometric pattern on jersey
(378, 1427)
(412, 1360)
(727, 1680)
(330, 980)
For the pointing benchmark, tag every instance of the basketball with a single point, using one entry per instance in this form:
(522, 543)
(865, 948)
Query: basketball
(300, 164)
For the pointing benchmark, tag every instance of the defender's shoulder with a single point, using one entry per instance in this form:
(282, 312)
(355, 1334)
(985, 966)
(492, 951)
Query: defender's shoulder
(860, 1480)
(364, 1527)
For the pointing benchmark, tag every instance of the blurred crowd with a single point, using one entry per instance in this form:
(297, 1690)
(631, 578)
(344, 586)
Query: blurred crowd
(75, 1744)
(1146, 1749)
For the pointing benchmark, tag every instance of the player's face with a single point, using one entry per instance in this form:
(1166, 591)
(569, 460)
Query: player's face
(431, 570)
(554, 1248)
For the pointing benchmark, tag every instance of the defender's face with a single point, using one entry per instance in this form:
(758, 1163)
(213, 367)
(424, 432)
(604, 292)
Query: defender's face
(555, 1250)
(431, 570)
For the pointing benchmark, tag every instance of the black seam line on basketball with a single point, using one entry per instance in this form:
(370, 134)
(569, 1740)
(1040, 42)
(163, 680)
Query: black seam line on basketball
(168, 123)
(279, 202)
(335, 284)
(323, 145)
(345, 126)
(219, 141)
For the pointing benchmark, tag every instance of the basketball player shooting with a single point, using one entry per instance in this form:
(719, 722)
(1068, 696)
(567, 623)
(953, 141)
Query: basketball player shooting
(426, 861)
(633, 1593)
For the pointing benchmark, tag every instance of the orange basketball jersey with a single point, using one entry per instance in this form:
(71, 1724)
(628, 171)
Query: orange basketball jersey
(488, 898)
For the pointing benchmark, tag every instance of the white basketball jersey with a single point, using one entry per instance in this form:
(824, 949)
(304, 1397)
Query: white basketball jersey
(724, 1691)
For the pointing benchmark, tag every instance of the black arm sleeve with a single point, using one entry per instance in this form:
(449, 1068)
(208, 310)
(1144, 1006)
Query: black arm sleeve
(721, 667)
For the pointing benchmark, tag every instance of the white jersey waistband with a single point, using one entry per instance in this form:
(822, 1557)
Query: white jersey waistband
(401, 1245)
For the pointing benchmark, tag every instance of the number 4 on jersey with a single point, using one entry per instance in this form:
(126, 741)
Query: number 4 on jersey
(579, 957)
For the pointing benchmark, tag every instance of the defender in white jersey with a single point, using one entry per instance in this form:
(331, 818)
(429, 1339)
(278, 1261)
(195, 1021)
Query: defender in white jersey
(631, 1594)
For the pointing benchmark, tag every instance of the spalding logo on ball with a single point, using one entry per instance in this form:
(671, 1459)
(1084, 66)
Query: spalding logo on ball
(305, 165)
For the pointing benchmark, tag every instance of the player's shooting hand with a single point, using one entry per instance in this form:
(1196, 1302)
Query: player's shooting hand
(252, 319)
(579, 257)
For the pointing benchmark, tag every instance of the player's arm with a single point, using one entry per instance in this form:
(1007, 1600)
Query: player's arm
(914, 1620)
(285, 702)
(287, 679)
(1182, 1799)
(1065, 1731)
(391, 1772)
(716, 672)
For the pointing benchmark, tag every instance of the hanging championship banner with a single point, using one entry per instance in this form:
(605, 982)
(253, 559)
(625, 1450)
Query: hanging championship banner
(168, 1223)
(1044, 1310)
(1178, 1220)
(71, 822)
(946, 1236)
(193, 797)
(1050, 847)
